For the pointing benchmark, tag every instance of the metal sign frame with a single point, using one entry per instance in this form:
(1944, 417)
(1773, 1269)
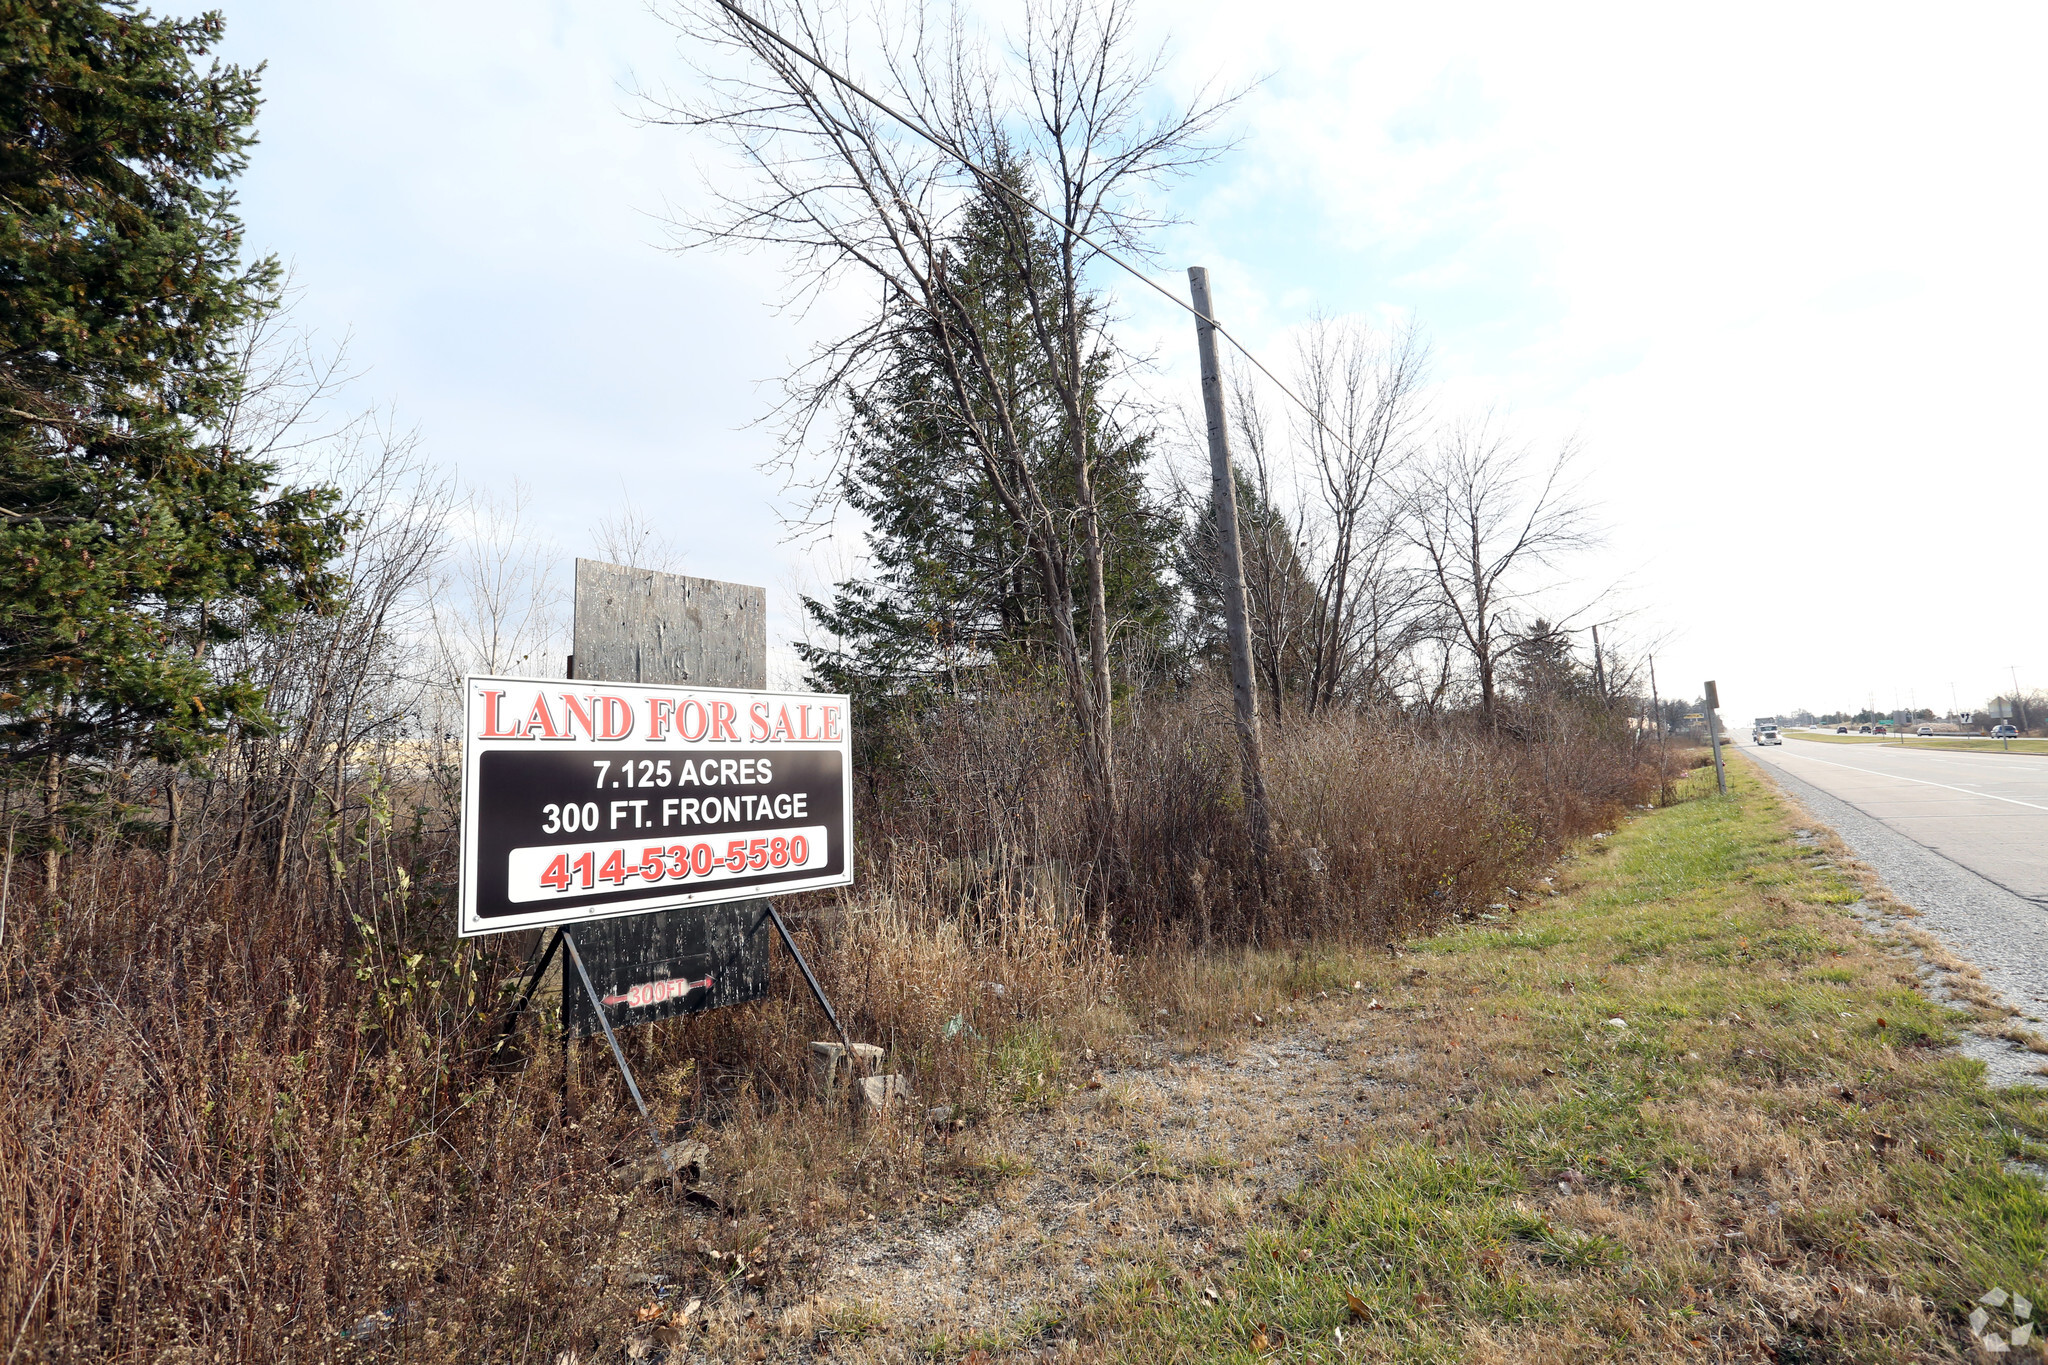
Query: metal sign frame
(688, 796)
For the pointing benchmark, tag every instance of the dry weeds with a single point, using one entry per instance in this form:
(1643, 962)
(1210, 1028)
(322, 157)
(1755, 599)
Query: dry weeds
(1772, 1155)
(256, 1117)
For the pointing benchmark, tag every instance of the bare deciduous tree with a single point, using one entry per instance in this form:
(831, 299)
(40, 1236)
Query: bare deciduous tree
(332, 683)
(630, 537)
(497, 607)
(1064, 125)
(1333, 598)
(1483, 517)
(1365, 413)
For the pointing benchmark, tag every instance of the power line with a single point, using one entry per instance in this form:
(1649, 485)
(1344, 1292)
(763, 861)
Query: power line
(917, 126)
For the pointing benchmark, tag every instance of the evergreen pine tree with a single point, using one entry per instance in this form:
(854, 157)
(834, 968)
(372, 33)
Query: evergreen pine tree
(1280, 593)
(132, 536)
(953, 588)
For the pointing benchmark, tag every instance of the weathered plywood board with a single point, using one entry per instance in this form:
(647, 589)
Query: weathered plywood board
(639, 625)
(644, 626)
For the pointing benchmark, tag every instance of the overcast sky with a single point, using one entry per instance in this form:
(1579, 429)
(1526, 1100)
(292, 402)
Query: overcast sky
(1780, 272)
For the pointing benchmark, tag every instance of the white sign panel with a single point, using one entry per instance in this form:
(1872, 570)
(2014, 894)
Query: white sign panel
(586, 800)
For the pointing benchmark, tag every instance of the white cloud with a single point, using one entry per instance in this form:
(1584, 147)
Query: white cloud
(1779, 266)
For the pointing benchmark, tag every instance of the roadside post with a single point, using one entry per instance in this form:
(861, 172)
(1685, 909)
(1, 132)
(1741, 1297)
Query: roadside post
(1714, 734)
(639, 812)
(1657, 714)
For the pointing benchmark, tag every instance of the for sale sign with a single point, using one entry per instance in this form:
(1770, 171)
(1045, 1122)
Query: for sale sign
(590, 800)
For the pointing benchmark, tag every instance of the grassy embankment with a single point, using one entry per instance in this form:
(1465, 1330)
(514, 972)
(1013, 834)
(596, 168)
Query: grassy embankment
(1771, 1155)
(1950, 742)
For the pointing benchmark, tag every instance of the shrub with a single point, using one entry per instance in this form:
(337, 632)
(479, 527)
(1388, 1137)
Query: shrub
(256, 1116)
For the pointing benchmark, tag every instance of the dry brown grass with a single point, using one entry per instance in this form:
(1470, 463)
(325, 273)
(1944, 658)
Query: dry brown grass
(1773, 1157)
(253, 1121)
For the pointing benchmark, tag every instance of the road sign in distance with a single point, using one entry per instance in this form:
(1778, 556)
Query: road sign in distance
(590, 800)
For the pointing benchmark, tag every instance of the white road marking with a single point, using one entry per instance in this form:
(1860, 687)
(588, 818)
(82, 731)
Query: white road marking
(1879, 772)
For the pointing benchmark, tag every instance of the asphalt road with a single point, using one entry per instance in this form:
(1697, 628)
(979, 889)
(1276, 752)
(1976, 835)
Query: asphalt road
(1987, 812)
(1963, 839)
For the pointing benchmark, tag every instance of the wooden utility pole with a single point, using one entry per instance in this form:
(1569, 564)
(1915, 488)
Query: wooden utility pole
(1230, 557)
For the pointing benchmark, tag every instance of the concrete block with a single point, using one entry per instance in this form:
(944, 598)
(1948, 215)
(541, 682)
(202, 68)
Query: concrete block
(829, 1059)
(881, 1091)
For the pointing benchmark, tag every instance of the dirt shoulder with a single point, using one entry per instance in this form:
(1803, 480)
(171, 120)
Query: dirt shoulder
(1679, 1102)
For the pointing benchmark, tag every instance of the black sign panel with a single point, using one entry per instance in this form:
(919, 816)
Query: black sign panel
(583, 801)
(671, 962)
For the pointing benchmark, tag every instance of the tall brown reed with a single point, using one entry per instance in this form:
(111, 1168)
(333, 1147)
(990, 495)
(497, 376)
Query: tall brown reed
(254, 1121)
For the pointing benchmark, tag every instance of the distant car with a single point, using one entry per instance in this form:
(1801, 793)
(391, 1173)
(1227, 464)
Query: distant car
(1863, 729)
(2005, 732)
(1879, 730)
(1924, 730)
(1769, 735)
(1841, 729)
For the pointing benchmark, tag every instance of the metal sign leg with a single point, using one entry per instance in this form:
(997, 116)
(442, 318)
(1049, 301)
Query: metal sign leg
(618, 1055)
(818, 992)
(534, 972)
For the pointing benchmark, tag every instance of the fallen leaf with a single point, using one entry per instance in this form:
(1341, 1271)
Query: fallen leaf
(650, 1311)
(1209, 1293)
(1357, 1307)
(1260, 1341)
(668, 1334)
